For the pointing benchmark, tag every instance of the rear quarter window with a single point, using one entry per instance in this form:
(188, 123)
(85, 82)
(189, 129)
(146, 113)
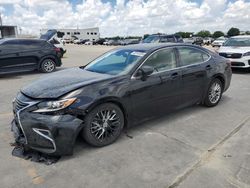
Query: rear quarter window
(189, 56)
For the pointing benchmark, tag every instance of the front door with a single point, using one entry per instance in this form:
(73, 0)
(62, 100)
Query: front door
(159, 93)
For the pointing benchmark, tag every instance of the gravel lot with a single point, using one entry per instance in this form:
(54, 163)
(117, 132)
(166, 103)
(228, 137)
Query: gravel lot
(194, 147)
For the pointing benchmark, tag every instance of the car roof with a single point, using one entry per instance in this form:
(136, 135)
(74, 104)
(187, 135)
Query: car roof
(152, 46)
(241, 36)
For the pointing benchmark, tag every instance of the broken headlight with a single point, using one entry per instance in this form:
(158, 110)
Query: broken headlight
(52, 106)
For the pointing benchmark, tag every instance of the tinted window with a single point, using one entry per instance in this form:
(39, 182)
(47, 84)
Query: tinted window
(189, 56)
(162, 60)
(23, 43)
(167, 39)
(152, 39)
(31, 42)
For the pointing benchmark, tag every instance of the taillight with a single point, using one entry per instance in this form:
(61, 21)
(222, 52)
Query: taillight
(57, 49)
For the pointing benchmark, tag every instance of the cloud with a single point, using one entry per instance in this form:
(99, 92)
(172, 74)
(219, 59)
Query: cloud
(135, 17)
(2, 2)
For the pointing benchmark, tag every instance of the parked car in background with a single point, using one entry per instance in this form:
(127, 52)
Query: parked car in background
(82, 41)
(188, 40)
(208, 40)
(113, 42)
(130, 41)
(198, 41)
(68, 40)
(237, 50)
(51, 37)
(17, 55)
(160, 38)
(119, 89)
(99, 41)
(76, 41)
(89, 43)
(219, 42)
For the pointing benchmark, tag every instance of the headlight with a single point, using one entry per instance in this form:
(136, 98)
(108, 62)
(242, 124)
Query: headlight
(246, 54)
(52, 106)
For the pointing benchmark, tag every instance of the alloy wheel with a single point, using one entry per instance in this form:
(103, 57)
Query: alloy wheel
(48, 66)
(214, 93)
(105, 124)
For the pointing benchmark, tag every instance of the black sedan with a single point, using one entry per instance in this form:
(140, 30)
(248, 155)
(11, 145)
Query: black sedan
(18, 55)
(118, 89)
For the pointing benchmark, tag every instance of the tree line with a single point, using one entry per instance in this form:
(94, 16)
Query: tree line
(205, 33)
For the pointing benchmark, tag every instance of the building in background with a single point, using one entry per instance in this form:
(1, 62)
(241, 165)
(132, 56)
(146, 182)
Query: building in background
(8, 31)
(91, 34)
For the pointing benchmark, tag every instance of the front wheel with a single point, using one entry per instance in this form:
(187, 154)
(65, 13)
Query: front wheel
(214, 93)
(103, 125)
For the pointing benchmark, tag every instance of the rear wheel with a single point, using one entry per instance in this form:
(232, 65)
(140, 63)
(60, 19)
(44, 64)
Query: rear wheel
(103, 125)
(214, 93)
(47, 66)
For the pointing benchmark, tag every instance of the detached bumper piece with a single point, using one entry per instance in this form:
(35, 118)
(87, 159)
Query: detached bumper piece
(35, 156)
(22, 151)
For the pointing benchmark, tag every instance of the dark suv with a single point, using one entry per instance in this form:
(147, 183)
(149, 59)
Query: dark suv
(18, 55)
(159, 38)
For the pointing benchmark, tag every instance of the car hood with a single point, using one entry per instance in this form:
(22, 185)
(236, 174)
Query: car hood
(229, 49)
(62, 82)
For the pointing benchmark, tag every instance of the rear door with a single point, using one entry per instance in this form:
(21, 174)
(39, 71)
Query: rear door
(194, 65)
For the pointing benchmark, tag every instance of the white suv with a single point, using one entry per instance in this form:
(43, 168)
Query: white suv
(237, 50)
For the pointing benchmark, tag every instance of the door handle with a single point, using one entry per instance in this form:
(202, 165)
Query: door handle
(208, 67)
(174, 75)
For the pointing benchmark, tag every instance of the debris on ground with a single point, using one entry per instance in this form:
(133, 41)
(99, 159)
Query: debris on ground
(32, 155)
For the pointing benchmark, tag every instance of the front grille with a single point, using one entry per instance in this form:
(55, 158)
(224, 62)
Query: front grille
(237, 64)
(231, 55)
(18, 105)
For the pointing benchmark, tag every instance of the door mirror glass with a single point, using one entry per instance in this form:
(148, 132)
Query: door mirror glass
(144, 72)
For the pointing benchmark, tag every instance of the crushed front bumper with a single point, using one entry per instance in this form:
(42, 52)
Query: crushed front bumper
(51, 134)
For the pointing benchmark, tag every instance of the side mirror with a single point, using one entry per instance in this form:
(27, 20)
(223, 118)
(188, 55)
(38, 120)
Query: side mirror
(144, 72)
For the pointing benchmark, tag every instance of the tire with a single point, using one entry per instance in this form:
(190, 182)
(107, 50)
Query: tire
(47, 66)
(214, 93)
(99, 130)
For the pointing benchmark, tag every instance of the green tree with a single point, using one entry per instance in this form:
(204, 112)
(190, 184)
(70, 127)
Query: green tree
(233, 32)
(218, 34)
(204, 33)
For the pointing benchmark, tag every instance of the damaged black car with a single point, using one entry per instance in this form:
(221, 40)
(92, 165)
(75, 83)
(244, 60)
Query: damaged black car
(119, 89)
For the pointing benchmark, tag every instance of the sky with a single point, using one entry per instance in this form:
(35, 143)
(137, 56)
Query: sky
(127, 17)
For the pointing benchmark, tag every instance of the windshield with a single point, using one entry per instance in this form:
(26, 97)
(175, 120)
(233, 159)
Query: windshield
(151, 39)
(238, 42)
(115, 62)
